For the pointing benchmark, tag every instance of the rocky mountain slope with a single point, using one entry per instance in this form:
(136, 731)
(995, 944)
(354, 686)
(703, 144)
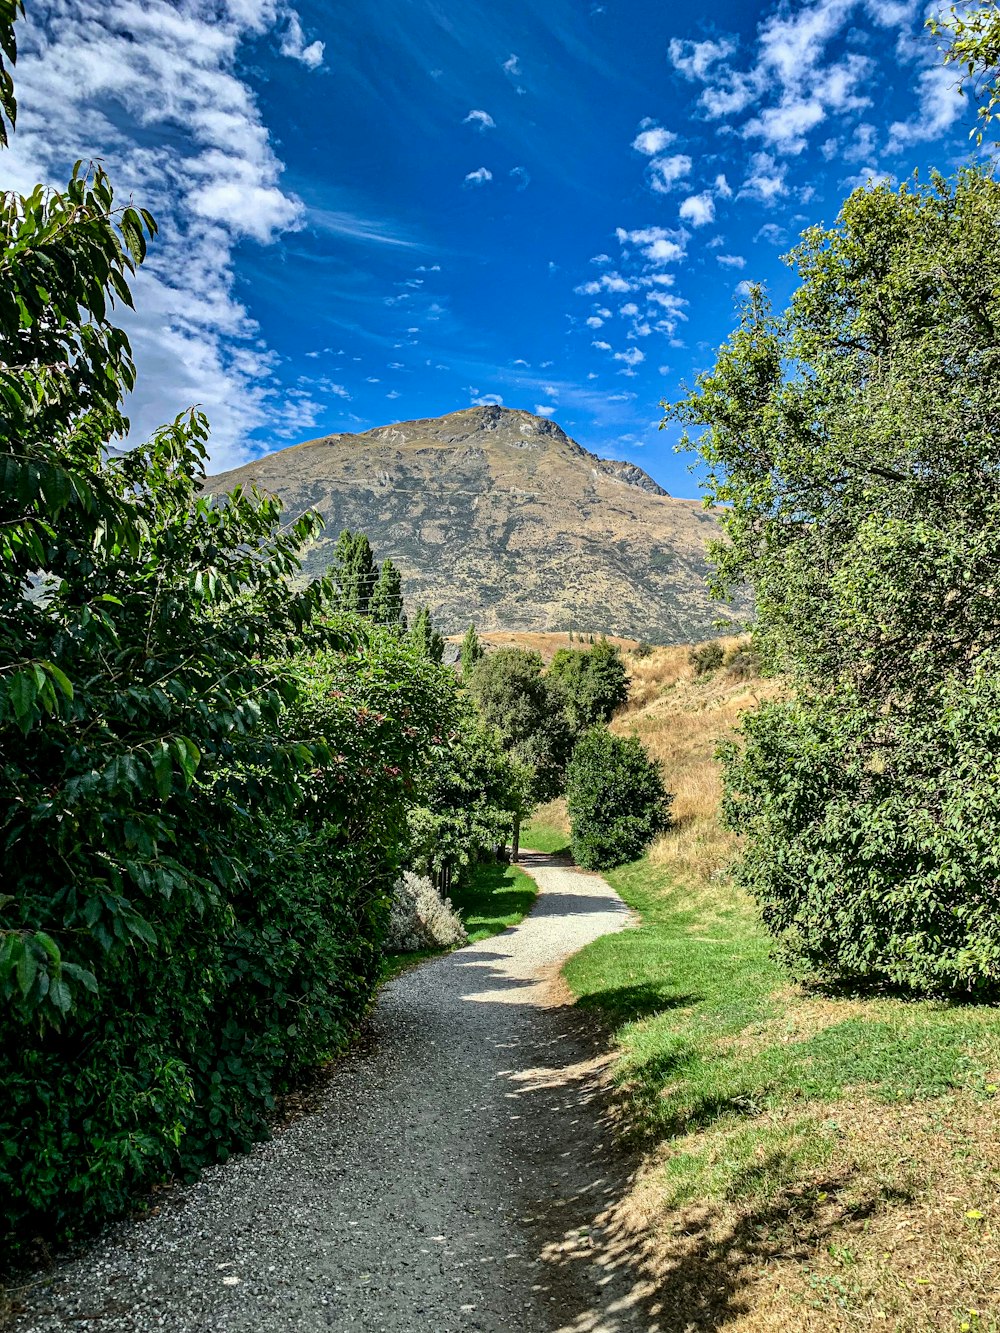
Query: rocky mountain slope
(497, 516)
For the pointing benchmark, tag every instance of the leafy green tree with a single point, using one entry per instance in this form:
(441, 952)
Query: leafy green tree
(353, 572)
(591, 683)
(426, 638)
(471, 652)
(515, 699)
(386, 604)
(853, 450)
(204, 777)
(973, 36)
(473, 801)
(615, 798)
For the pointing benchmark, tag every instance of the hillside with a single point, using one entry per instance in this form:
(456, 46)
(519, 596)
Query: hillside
(497, 516)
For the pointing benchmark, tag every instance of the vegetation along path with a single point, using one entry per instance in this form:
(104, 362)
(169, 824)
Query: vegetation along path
(450, 1178)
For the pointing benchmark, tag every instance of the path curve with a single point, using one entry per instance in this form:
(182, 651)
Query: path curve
(448, 1179)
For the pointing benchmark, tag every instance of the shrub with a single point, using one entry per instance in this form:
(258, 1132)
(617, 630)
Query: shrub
(642, 649)
(419, 918)
(742, 662)
(871, 844)
(616, 800)
(706, 657)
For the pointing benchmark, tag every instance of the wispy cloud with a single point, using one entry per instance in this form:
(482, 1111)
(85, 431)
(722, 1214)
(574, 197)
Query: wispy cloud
(481, 119)
(160, 96)
(481, 176)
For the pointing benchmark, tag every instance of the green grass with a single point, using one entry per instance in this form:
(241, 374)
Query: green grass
(494, 897)
(541, 837)
(713, 1037)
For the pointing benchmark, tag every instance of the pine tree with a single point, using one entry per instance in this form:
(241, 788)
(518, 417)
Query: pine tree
(472, 651)
(354, 571)
(386, 604)
(426, 637)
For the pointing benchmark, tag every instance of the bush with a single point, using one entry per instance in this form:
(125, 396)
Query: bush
(872, 845)
(616, 800)
(706, 657)
(419, 918)
(642, 649)
(742, 662)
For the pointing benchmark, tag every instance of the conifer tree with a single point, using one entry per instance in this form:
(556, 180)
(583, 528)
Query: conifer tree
(354, 571)
(425, 637)
(472, 651)
(386, 604)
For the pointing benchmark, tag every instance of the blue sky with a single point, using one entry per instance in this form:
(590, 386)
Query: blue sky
(375, 212)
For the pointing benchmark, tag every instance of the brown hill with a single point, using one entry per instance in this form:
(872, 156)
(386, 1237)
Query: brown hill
(498, 517)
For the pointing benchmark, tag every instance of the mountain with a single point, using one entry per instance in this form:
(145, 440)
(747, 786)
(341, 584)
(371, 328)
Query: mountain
(497, 516)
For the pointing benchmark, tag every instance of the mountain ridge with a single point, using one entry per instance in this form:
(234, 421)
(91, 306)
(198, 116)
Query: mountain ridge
(497, 516)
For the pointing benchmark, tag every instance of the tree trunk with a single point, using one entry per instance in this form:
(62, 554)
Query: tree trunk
(515, 839)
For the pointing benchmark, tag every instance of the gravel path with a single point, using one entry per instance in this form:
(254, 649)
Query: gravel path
(450, 1177)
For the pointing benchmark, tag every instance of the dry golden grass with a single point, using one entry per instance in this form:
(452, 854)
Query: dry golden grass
(895, 1231)
(681, 718)
(545, 643)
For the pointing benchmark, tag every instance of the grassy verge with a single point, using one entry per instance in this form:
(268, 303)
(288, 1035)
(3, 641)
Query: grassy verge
(496, 896)
(813, 1163)
(548, 831)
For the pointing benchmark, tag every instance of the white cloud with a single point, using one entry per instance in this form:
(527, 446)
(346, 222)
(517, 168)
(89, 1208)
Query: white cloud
(653, 140)
(940, 105)
(601, 259)
(545, 409)
(698, 209)
(697, 60)
(159, 95)
(867, 177)
(785, 126)
(294, 44)
(481, 119)
(488, 400)
(520, 177)
(665, 172)
(602, 346)
(629, 309)
(658, 245)
(512, 66)
(731, 261)
(594, 322)
(479, 177)
(631, 356)
(722, 188)
(393, 393)
(765, 179)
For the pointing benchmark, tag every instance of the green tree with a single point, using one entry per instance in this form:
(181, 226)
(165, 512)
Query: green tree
(615, 798)
(426, 638)
(204, 777)
(473, 801)
(515, 699)
(471, 652)
(353, 572)
(853, 450)
(973, 37)
(386, 604)
(591, 683)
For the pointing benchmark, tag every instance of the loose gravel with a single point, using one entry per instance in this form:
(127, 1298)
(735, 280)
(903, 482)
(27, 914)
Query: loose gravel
(451, 1176)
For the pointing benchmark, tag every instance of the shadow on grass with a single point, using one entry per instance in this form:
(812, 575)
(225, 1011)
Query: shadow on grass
(626, 1004)
(495, 897)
